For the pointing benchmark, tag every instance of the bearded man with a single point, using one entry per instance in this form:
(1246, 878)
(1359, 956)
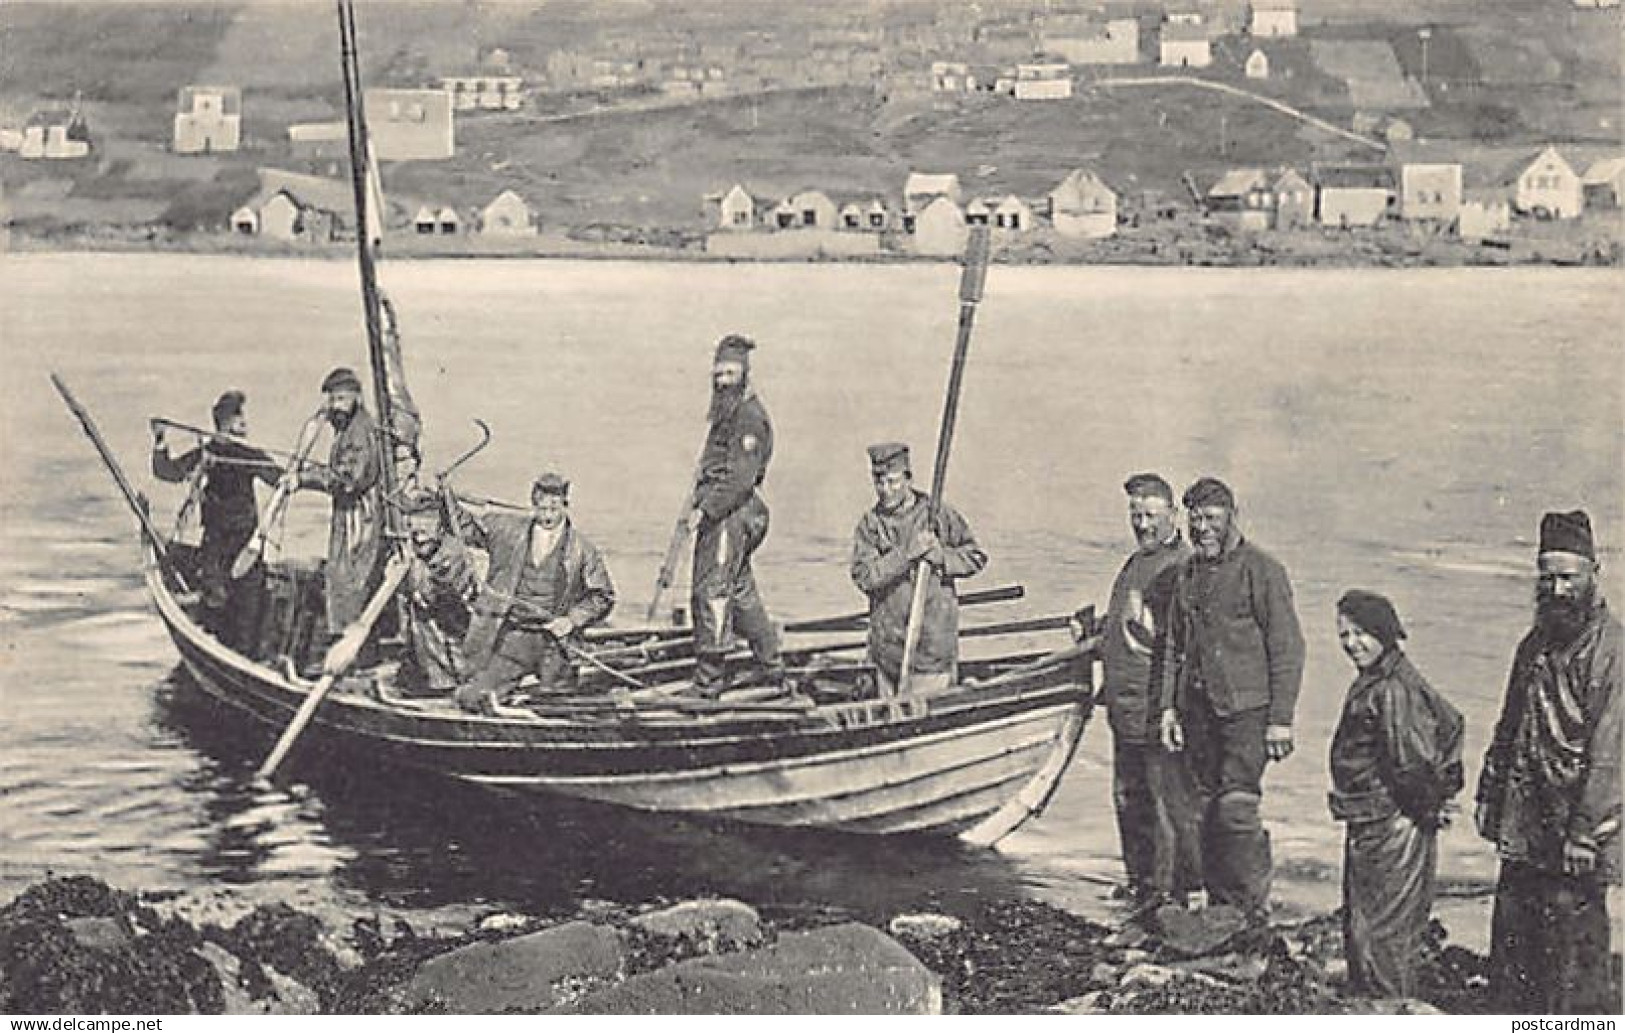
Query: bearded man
(1549, 793)
(730, 521)
(351, 478)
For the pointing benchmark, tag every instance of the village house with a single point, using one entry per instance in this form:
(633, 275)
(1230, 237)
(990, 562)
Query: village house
(281, 217)
(1048, 80)
(978, 213)
(1430, 192)
(736, 210)
(950, 77)
(1258, 65)
(1182, 12)
(1352, 196)
(1185, 45)
(291, 206)
(208, 120)
(807, 210)
(1242, 198)
(1294, 200)
(1011, 214)
(484, 92)
(1082, 205)
(319, 141)
(939, 229)
(55, 134)
(1274, 18)
(1485, 212)
(1548, 187)
(1085, 40)
(443, 221)
(245, 221)
(872, 216)
(1603, 184)
(507, 216)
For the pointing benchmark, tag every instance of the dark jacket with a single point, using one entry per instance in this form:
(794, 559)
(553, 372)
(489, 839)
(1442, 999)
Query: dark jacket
(1551, 773)
(1233, 635)
(355, 538)
(738, 447)
(882, 570)
(587, 596)
(1397, 746)
(229, 471)
(1144, 588)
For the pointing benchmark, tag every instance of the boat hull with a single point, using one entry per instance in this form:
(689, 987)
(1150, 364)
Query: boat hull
(974, 760)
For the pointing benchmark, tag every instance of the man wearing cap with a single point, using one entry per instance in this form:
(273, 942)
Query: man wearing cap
(730, 521)
(351, 477)
(440, 585)
(888, 544)
(227, 467)
(1549, 792)
(546, 584)
(1231, 668)
(1135, 618)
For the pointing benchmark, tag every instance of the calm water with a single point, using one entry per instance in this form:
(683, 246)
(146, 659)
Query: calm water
(1400, 430)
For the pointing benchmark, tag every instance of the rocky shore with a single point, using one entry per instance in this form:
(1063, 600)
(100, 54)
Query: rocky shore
(76, 945)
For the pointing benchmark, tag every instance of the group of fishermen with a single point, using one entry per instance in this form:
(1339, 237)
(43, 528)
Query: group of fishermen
(1203, 661)
(1201, 650)
(476, 637)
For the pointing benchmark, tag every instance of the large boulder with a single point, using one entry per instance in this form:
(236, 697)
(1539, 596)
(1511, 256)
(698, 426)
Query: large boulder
(846, 969)
(724, 924)
(527, 973)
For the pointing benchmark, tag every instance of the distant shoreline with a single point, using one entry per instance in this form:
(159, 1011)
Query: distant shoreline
(1186, 246)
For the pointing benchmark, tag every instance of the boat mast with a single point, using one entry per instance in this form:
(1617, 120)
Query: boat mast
(360, 165)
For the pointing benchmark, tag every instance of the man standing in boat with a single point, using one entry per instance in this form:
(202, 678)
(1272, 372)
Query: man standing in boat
(887, 546)
(730, 521)
(227, 467)
(1549, 792)
(351, 477)
(1232, 665)
(1159, 857)
(546, 585)
(439, 588)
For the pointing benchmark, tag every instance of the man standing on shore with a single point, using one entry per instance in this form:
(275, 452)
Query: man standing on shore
(730, 521)
(888, 544)
(1232, 665)
(355, 553)
(1158, 863)
(1549, 793)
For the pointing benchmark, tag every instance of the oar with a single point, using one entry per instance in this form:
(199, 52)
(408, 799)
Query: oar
(338, 660)
(271, 516)
(970, 293)
(674, 549)
(140, 511)
(675, 640)
(211, 435)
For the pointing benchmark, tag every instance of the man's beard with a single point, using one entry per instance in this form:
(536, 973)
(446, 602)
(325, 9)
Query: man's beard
(1562, 618)
(340, 418)
(724, 400)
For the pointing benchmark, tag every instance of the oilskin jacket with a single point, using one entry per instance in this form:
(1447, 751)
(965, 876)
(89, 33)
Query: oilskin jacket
(586, 596)
(882, 570)
(1397, 748)
(1233, 635)
(1551, 773)
(356, 530)
(738, 447)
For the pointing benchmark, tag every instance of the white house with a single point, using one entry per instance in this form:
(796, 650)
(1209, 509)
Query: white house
(811, 210)
(1549, 187)
(1043, 81)
(737, 210)
(1185, 46)
(279, 217)
(57, 133)
(507, 216)
(1274, 18)
(246, 221)
(1485, 212)
(1604, 183)
(1258, 65)
(1430, 191)
(487, 92)
(1012, 215)
(1082, 205)
(939, 229)
(208, 120)
(978, 213)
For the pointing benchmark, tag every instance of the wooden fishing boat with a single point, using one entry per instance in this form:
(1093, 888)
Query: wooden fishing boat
(828, 750)
(976, 759)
